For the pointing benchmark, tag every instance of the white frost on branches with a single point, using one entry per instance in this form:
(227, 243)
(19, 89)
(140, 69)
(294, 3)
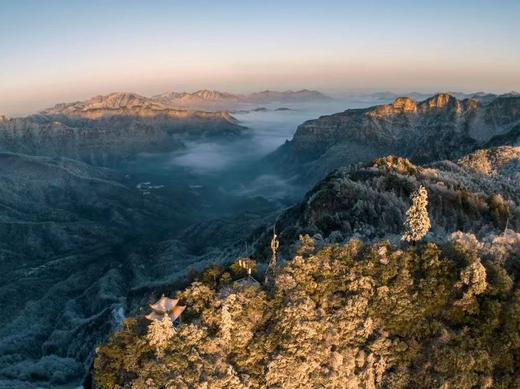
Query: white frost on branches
(160, 332)
(417, 222)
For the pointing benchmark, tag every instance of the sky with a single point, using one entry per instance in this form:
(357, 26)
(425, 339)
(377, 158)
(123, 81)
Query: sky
(66, 50)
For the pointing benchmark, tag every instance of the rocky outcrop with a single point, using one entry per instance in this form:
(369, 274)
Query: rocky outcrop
(112, 127)
(441, 127)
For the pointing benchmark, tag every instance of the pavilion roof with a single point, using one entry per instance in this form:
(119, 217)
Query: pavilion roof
(164, 304)
(174, 315)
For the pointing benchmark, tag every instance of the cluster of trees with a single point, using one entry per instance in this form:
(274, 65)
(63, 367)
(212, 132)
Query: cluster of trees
(340, 316)
(370, 202)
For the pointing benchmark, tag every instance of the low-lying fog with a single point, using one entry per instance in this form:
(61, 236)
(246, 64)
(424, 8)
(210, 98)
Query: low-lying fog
(222, 178)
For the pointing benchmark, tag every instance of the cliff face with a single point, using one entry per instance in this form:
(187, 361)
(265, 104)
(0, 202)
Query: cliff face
(441, 127)
(111, 127)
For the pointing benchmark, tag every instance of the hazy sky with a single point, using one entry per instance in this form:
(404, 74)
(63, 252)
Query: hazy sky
(58, 50)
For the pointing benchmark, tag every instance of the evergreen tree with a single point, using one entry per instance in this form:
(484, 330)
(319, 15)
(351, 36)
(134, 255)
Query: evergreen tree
(417, 222)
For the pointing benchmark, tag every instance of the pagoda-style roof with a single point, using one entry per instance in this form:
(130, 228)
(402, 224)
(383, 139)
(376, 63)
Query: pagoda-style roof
(165, 306)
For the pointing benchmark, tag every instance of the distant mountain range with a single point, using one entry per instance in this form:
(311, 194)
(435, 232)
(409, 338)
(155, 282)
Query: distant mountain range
(418, 96)
(115, 126)
(110, 127)
(440, 127)
(130, 104)
(211, 99)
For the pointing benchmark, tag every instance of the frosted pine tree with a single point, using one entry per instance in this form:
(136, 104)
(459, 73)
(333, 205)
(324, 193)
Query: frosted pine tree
(227, 320)
(159, 334)
(417, 221)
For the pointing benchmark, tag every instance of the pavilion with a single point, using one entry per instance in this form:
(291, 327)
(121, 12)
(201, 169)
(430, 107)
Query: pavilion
(165, 306)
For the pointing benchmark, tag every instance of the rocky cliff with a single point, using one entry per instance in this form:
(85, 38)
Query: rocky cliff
(441, 127)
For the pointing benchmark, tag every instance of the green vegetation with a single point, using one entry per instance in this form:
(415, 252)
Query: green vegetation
(343, 316)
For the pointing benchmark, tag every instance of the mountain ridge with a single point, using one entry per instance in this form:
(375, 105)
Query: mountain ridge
(440, 127)
(216, 99)
(112, 127)
(127, 103)
(384, 96)
(63, 273)
(478, 193)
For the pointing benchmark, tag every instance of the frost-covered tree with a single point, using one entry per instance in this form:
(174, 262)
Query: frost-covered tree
(417, 222)
(275, 245)
(160, 332)
(341, 316)
(227, 320)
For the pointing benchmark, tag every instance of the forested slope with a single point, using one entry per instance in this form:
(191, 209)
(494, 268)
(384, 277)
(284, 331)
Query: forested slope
(344, 316)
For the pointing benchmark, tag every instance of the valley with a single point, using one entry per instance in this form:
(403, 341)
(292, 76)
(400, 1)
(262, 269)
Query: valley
(93, 228)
